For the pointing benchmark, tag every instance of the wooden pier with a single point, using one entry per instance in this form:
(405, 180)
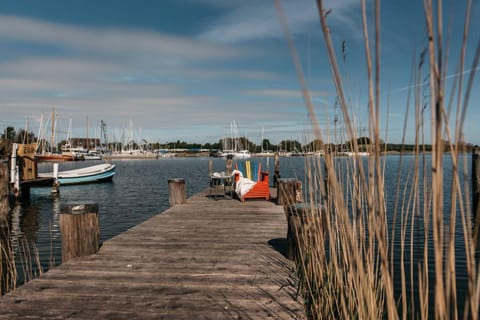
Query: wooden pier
(206, 259)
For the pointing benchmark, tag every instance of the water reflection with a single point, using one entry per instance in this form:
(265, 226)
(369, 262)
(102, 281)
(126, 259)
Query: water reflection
(24, 225)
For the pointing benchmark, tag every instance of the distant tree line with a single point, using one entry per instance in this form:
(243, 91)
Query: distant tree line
(11, 135)
(20, 136)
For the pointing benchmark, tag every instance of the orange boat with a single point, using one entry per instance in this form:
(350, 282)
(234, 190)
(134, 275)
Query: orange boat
(54, 157)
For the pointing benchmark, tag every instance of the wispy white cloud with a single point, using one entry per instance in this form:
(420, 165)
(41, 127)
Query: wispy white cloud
(109, 41)
(257, 20)
(426, 82)
(178, 87)
(116, 74)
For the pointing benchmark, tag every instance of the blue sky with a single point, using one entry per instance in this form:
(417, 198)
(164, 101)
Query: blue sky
(184, 69)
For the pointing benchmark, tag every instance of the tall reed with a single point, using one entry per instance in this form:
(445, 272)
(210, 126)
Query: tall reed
(361, 257)
(19, 262)
(8, 270)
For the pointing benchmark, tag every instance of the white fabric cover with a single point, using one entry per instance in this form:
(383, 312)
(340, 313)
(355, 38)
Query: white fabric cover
(243, 185)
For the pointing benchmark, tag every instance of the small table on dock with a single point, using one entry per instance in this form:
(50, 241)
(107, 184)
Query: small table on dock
(220, 180)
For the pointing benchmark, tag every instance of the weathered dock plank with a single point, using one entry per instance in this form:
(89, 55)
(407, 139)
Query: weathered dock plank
(204, 259)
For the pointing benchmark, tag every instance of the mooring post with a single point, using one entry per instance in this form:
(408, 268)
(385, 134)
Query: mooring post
(304, 221)
(80, 230)
(177, 191)
(276, 173)
(229, 165)
(476, 191)
(289, 192)
(14, 172)
(13, 163)
(56, 184)
(296, 219)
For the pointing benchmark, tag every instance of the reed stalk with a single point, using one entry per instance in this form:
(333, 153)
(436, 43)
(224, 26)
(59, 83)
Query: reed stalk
(21, 264)
(353, 259)
(8, 271)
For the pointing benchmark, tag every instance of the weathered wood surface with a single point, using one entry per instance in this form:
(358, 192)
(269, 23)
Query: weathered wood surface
(287, 192)
(177, 191)
(80, 230)
(206, 259)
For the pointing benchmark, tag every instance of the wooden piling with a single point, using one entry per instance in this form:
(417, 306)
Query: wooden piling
(276, 173)
(476, 192)
(229, 165)
(289, 192)
(296, 219)
(80, 230)
(177, 191)
(303, 231)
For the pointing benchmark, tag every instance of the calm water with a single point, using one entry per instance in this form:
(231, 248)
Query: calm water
(139, 190)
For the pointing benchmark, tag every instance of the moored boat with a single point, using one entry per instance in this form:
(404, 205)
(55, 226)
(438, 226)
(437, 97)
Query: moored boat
(242, 154)
(359, 153)
(91, 174)
(54, 157)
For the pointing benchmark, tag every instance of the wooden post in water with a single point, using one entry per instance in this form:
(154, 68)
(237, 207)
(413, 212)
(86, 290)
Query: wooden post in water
(56, 184)
(276, 173)
(297, 218)
(476, 192)
(80, 230)
(229, 165)
(306, 227)
(177, 191)
(289, 192)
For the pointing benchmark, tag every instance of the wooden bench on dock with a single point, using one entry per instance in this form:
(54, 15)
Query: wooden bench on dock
(201, 260)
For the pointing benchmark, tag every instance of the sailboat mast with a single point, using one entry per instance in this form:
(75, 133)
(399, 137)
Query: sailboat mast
(235, 148)
(53, 129)
(69, 133)
(41, 135)
(88, 140)
(25, 134)
(262, 137)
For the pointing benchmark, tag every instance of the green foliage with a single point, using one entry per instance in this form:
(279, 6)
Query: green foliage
(315, 145)
(290, 146)
(9, 134)
(22, 136)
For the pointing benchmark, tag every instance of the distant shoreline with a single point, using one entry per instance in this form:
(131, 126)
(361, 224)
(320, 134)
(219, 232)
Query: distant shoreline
(207, 155)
